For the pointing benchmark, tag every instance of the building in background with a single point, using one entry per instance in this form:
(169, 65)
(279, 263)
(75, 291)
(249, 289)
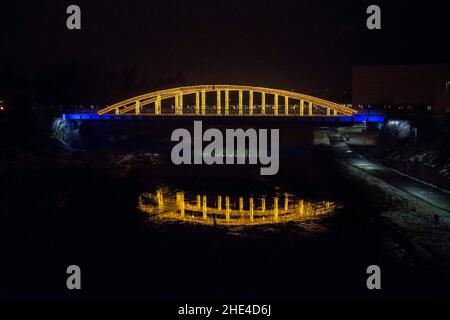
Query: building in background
(402, 88)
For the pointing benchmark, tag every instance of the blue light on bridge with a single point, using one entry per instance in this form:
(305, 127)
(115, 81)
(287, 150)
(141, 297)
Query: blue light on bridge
(378, 119)
(346, 119)
(94, 116)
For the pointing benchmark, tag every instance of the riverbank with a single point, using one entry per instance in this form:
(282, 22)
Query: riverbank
(429, 166)
(424, 155)
(422, 226)
(414, 220)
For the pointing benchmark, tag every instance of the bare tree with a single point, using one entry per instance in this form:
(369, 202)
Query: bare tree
(398, 129)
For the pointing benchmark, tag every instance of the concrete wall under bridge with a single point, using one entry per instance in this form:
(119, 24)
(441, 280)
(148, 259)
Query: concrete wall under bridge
(300, 144)
(153, 133)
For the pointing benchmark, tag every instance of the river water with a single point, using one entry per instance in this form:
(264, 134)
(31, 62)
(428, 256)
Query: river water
(139, 228)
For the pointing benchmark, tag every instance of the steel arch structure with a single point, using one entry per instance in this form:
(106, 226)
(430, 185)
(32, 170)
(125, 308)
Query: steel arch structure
(292, 103)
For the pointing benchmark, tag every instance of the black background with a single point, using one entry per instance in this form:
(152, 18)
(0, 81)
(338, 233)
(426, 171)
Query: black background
(308, 46)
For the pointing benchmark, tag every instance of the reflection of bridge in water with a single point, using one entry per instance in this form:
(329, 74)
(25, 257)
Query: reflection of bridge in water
(231, 211)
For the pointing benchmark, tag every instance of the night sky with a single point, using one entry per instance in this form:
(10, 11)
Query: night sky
(308, 46)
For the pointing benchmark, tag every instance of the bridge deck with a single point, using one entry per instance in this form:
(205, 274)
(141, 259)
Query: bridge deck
(314, 118)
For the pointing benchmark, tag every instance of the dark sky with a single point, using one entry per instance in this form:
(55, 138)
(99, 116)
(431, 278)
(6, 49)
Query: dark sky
(309, 46)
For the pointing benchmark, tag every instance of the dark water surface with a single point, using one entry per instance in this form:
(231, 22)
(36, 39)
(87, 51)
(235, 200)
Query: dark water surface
(88, 210)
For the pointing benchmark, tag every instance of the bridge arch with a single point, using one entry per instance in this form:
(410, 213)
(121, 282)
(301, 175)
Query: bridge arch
(292, 103)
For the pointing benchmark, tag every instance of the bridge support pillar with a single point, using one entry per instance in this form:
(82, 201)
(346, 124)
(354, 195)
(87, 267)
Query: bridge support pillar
(300, 207)
(275, 104)
(302, 106)
(263, 204)
(286, 202)
(138, 107)
(286, 106)
(328, 111)
(335, 112)
(219, 203)
(197, 103)
(176, 104)
(251, 208)
(160, 199)
(158, 105)
(227, 208)
(205, 208)
(219, 107)
(117, 111)
(180, 104)
(241, 206)
(203, 102)
(275, 208)
(250, 102)
(240, 103)
(180, 203)
(227, 102)
(263, 103)
(310, 109)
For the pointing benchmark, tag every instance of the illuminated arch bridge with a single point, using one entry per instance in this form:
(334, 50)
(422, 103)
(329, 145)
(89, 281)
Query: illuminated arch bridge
(228, 100)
